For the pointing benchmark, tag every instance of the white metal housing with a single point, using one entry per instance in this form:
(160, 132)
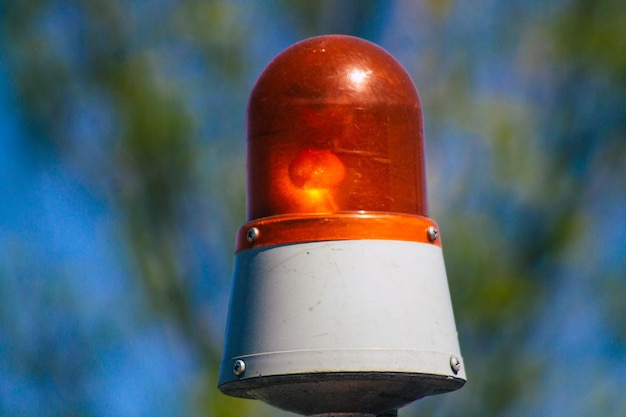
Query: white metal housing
(315, 323)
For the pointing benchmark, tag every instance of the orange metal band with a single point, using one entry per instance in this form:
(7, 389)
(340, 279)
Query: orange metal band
(286, 229)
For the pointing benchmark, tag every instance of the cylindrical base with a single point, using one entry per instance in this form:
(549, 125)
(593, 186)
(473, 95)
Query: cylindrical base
(362, 326)
(391, 413)
(342, 393)
(344, 415)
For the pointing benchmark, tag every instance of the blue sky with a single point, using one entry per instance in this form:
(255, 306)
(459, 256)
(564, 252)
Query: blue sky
(55, 233)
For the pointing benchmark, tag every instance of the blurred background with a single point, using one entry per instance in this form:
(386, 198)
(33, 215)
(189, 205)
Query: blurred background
(122, 183)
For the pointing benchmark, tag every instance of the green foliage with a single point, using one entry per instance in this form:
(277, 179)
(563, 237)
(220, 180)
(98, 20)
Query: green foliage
(593, 36)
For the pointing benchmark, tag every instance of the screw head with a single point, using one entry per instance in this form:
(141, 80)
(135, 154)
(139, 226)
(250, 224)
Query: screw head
(455, 364)
(239, 367)
(432, 233)
(253, 234)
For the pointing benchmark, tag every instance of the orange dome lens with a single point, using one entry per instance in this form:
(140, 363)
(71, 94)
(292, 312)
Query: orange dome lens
(335, 126)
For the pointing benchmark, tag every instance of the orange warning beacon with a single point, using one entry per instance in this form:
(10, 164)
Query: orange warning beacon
(340, 301)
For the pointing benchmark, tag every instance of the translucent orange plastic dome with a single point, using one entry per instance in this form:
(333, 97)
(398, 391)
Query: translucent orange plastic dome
(335, 129)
